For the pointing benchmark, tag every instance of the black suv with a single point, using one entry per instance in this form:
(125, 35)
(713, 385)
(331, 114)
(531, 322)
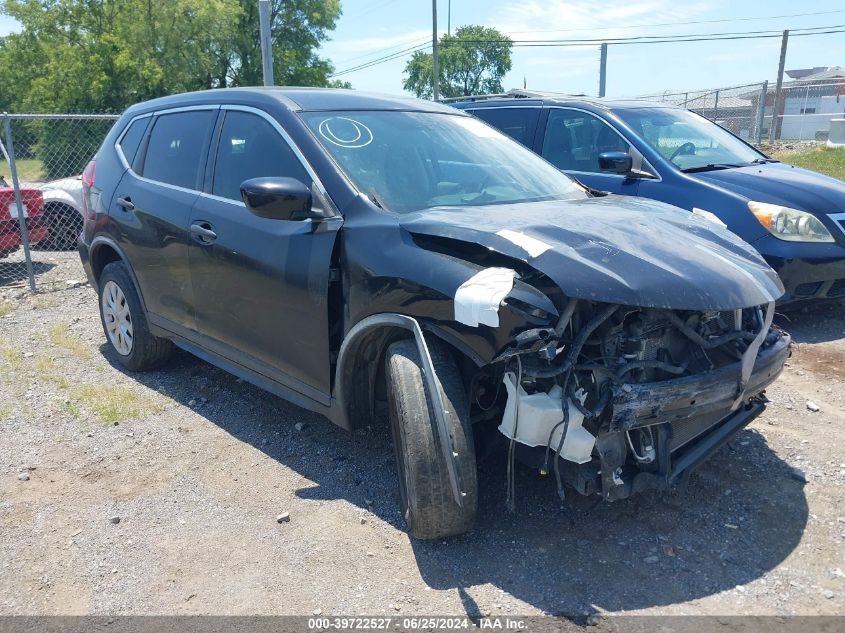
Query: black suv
(341, 249)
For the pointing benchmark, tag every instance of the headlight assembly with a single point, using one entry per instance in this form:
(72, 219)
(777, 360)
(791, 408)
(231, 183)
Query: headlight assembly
(788, 224)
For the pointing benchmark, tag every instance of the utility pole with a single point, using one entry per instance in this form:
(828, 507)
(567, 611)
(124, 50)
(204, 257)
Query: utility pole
(266, 41)
(603, 70)
(449, 18)
(774, 128)
(435, 54)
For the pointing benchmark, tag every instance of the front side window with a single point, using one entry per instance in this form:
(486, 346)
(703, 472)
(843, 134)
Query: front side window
(687, 140)
(518, 123)
(574, 140)
(177, 148)
(250, 147)
(408, 161)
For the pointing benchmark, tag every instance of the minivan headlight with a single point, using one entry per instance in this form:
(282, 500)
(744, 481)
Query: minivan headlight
(788, 224)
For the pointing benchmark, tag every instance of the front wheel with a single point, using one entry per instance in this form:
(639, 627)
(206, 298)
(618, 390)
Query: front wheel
(428, 505)
(125, 323)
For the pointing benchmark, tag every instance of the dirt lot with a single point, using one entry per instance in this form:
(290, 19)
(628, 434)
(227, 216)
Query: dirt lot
(198, 465)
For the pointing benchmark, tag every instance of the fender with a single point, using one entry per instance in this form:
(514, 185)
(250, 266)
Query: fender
(352, 347)
(102, 240)
(60, 195)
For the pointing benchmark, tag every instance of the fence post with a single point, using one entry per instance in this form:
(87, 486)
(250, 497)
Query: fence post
(715, 106)
(761, 111)
(10, 148)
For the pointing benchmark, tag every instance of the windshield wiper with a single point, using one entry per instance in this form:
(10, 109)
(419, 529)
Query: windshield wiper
(763, 161)
(710, 167)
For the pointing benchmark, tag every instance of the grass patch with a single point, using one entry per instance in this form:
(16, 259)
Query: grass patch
(6, 307)
(112, 403)
(60, 336)
(29, 169)
(5, 411)
(825, 160)
(12, 357)
(44, 302)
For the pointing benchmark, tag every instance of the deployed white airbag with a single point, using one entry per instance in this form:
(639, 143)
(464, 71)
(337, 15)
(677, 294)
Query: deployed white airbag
(477, 300)
(535, 415)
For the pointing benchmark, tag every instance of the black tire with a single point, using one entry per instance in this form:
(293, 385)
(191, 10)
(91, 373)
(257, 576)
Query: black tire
(428, 504)
(147, 351)
(64, 224)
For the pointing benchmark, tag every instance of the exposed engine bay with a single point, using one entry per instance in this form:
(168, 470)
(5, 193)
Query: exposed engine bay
(618, 399)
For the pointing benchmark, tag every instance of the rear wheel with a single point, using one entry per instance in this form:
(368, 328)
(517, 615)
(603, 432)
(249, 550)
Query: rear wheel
(125, 323)
(428, 505)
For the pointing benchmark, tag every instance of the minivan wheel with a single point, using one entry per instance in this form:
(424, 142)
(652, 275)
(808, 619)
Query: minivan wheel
(428, 504)
(125, 323)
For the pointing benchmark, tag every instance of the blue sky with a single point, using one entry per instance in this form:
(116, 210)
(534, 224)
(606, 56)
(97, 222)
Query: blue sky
(374, 28)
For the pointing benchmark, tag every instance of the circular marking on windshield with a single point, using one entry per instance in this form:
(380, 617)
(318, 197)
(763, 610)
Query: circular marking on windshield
(345, 132)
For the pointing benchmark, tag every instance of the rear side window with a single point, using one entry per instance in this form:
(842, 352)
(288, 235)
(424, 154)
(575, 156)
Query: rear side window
(518, 123)
(251, 147)
(177, 148)
(131, 140)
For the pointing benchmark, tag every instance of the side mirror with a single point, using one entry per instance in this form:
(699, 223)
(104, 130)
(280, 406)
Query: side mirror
(278, 198)
(617, 162)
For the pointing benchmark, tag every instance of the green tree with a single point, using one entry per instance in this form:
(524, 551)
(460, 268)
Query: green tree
(472, 61)
(297, 27)
(104, 55)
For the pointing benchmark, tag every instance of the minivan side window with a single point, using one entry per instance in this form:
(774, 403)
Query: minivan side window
(176, 150)
(574, 140)
(250, 147)
(131, 140)
(518, 123)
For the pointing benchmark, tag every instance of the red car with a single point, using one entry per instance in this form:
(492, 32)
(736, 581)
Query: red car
(10, 233)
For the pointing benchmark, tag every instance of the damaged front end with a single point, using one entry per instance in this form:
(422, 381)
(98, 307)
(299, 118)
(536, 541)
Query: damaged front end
(618, 399)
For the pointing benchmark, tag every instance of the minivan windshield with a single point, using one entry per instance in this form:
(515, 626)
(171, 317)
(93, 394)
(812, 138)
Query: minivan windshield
(689, 141)
(407, 161)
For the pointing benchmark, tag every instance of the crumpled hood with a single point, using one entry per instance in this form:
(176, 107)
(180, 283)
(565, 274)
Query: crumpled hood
(616, 249)
(780, 183)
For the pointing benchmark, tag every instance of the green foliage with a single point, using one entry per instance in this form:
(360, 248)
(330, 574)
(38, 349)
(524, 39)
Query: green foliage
(472, 61)
(104, 55)
(297, 27)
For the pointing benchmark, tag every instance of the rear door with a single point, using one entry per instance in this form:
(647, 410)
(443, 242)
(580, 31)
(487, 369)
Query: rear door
(152, 205)
(574, 139)
(261, 285)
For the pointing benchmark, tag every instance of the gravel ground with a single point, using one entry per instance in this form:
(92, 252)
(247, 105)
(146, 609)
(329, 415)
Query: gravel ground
(158, 493)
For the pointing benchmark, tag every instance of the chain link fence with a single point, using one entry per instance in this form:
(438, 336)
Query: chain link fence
(758, 114)
(41, 195)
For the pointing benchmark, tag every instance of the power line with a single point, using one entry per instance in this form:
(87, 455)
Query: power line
(415, 42)
(640, 39)
(382, 60)
(641, 26)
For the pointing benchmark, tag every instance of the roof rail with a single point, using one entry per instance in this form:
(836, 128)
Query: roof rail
(516, 93)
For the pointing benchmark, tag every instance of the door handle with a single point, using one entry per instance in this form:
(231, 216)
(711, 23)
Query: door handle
(203, 233)
(126, 203)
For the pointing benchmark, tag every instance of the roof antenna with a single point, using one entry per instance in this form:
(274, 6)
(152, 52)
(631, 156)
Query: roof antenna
(524, 83)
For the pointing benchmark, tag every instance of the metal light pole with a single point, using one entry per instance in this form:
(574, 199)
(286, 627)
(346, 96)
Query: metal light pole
(774, 128)
(266, 41)
(435, 55)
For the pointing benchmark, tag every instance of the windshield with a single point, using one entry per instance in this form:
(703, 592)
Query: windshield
(407, 161)
(687, 140)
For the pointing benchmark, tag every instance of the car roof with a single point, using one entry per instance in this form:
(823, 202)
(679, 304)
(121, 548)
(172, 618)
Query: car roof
(552, 99)
(294, 98)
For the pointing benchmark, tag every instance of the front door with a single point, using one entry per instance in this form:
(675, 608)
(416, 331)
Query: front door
(573, 141)
(260, 285)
